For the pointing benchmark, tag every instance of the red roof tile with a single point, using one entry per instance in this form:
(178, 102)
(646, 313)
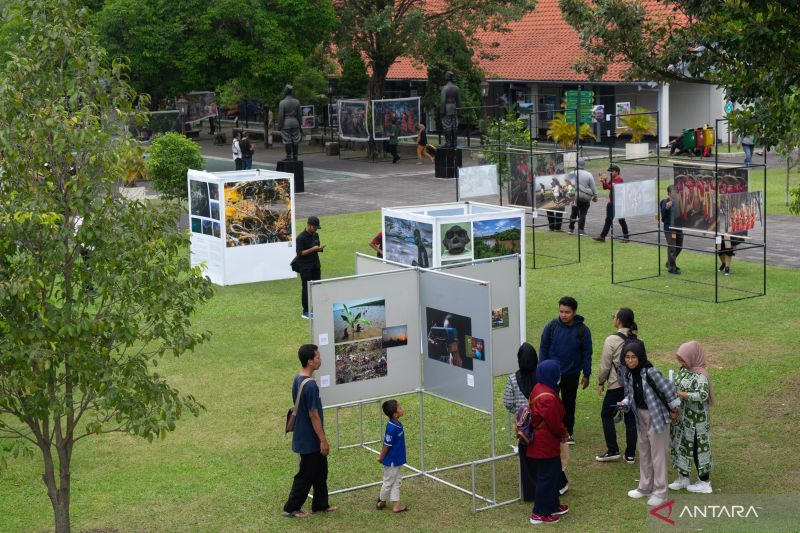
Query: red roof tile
(539, 47)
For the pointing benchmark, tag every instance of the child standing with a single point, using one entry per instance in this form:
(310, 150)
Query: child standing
(691, 434)
(392, 457)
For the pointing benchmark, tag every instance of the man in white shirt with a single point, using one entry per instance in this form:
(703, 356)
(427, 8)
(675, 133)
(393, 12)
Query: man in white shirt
(237, 152)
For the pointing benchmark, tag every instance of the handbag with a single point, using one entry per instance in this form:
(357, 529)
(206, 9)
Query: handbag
(295, 264)
(291, 416)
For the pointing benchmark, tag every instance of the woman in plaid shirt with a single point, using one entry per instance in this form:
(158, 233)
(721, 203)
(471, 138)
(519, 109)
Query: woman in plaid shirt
(654, 401)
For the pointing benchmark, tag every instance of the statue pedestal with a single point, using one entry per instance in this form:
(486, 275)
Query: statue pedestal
(447, 162)
(295, 168)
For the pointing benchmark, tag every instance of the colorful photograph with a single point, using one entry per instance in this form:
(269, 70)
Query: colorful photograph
(395, 336)
(197, 225)
(408, 242)
(447, 333)
(696, 195)
(495, 238)
(739, 211)
(214, 206)
(621, 108)
(519, 179)
(456, 241)
(475, 348)
(353, 120)
(358, 319)
(500, 318)
(360, 361)
(198, 195)
(307, 119)
(258, 212)
(401, 111)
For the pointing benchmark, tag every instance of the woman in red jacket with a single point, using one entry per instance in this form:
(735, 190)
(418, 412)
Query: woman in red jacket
(547, 417)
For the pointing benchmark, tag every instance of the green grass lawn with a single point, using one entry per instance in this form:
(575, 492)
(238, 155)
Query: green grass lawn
(230, 469)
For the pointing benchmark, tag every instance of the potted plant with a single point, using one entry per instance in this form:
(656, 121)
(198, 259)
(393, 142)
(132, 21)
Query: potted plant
(564, 134)
(637, 124)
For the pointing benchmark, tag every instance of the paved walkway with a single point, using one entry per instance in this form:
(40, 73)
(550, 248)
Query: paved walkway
(351, 183)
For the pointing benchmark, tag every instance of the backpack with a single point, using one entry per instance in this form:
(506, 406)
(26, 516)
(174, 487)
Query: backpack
(524, 421)
(552, 327)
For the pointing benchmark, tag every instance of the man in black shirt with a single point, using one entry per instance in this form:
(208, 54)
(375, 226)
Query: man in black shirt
(308, 250)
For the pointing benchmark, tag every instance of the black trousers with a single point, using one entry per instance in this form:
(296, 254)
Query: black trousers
(578, 213)
(392, 148)
(548, 481)
(306, 275)
(554, 219)
(607, 413)
(569, 393)
(313, 473)
(610, 220)
(527, 473)
(238, 163)
(675, 245)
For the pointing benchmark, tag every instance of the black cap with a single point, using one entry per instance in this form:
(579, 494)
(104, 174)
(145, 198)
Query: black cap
(314, 221)
(613, 168)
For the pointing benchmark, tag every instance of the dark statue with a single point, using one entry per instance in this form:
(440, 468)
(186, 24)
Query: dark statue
(448, 110)
(289, 123)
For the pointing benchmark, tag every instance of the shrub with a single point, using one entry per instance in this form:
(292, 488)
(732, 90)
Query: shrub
(637, 124)
(171, 155)
(564, 133)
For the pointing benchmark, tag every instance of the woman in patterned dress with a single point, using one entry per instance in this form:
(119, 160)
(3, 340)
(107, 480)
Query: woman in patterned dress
(691, 434)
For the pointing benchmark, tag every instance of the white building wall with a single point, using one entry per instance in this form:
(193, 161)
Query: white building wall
(692, 105)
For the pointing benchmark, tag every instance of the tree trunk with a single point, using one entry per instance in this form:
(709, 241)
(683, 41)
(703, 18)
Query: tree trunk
(375, 91)
(59, 496)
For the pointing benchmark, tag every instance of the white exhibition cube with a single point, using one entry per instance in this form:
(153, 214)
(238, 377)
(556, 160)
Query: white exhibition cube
(242, 225)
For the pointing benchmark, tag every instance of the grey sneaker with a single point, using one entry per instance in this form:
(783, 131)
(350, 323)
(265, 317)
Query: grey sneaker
(608, 456)
(571, 441)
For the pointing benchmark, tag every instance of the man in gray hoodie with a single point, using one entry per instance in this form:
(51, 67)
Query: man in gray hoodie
(585, 192)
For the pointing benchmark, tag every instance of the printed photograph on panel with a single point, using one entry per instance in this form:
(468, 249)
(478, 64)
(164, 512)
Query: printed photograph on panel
(696, 195)
(258, 212)
(395, 336)
(519, 179)
(404, 112)
(500, 318)
(359, 319)
(408, 242)
(739, 212)
(495, 238)
(360, 361)
(456, 241)
(307, 120)
(447, 333)
(475, 348)
(198, 194)
(353, 120)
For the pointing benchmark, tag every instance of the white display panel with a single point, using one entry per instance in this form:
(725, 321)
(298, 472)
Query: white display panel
(242, 225)
(366, 360)
(635, 198)
(480, 180)
(457, 338)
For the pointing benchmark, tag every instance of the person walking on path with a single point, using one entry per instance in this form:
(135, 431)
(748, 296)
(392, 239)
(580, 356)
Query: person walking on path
(585, 192)
(394, 138)
(568, 340)
(691, 434)
(237, 152)
(748, 146)
(308, 249)
(309, 440)
(668, 208)
(654, 402)
(422, 143)
(547, 418)
(608, 378)
(608, 184)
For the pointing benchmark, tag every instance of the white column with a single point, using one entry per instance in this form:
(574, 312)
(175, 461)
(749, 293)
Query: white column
(663, 114)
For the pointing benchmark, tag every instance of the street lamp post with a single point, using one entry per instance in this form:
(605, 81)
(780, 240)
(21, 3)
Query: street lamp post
(328, 114)
(484, 96)
(183, 111)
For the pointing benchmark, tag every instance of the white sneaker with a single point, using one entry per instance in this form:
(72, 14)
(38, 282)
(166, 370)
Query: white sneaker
(635, 494)
(681, 483)
(701, 487)
(655, 501)
(563, 490)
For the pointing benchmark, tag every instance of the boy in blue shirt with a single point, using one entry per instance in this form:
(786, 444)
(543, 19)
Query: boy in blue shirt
(392, 457)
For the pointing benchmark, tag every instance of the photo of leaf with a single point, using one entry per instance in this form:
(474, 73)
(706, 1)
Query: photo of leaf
(360, 360)
(258, 212)
(359, 319)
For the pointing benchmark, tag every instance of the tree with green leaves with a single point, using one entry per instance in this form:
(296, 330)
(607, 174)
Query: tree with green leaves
(385, 30)
(171, 155)
(94, 288)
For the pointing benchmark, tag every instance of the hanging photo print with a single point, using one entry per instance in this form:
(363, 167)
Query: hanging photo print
(395, 336)
(519, 179)
(403, 112)
(308, 120)
(495, 238)
(447, 333)
(258, 212)
(353, 120)
(408, 242)
(739, 211)
(695, 188)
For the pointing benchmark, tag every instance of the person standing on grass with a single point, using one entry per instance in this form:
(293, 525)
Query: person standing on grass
(392, 457)
(691, 434)
(654, 402)
(309, 440)
(547, 419)
(422, 144)
(608, 184)
(377, 244)
(608, 376)
(568, 340)
(308, 249)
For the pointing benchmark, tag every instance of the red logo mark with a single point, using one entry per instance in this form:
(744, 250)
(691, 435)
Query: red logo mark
(655, 511)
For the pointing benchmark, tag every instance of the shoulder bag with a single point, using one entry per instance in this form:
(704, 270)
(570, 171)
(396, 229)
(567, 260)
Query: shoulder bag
(291, 416)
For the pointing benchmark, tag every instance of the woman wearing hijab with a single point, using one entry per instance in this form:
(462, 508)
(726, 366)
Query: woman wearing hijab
(691, 434)
(547, 418)
(654, 402)
(518, 390)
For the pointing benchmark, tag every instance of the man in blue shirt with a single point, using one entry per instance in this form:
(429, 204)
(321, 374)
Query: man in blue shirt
(309, 440)
(669, 207)
(567, 339)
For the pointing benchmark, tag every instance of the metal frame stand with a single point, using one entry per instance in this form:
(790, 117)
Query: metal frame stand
(714, 237)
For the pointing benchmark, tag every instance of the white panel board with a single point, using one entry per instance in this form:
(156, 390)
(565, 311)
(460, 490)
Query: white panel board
(480, 180)
(635, 198)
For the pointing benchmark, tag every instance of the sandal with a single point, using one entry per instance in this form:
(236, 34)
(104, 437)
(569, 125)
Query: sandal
(404, 509)
(380, 504)
(296, 514)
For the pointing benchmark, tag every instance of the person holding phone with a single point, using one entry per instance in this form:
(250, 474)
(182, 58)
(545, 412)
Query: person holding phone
(308, 249)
